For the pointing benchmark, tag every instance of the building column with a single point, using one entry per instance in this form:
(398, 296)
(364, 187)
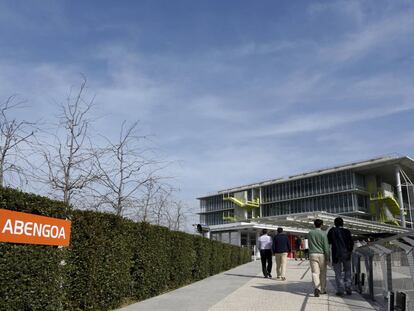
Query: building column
(399, 194)
(260, 203)
(245, 209)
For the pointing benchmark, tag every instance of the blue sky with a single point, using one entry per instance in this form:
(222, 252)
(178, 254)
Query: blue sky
(232, 91)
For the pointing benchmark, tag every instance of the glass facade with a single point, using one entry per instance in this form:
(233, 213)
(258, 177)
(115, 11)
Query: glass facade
(338, 192)
(215, 203)
(336, 203)
(216, 218)
(360, 182)
(311, 186)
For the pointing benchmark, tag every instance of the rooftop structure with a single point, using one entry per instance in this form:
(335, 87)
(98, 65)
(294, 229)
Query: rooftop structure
(371, 194)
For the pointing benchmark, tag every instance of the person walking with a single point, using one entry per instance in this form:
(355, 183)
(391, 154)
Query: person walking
(318, 257)
(281, 248)
(306, 248)
(298, 248)
(342, 246)
(265, 247)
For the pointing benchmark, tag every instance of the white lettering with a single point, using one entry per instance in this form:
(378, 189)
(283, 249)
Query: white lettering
(46, 231)
(18, 227)
(62, 233)
(37, 229)
(28, 228)
(54, 232)
(8, 226)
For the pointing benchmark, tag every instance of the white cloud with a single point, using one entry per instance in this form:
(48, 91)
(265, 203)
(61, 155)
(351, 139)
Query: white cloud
(374, 36)
(328, 120)
(235, 115)
(349, 9)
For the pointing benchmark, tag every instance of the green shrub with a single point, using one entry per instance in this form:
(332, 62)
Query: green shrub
(110, 259)
(235, 256)
(99, 260)
(201, 267)
(181, 260)
(225, 252)
(216, 258)
(150, 273)
(245, 255)
(31, 275)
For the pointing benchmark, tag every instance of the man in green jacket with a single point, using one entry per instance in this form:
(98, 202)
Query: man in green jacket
(318, 257)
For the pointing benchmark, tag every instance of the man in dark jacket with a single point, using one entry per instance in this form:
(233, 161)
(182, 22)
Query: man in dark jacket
(281, 248)
(342, 246)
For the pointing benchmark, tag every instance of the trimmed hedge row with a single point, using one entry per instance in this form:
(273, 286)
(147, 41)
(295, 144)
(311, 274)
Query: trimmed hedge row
(110, 260)
(31, 275)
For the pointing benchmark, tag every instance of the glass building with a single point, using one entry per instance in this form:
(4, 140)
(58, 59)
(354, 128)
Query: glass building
(374, 190)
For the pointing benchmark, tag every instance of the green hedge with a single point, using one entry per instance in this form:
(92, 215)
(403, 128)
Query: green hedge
(31, 275)
(110, 260)
(150, 270)
(98, 261)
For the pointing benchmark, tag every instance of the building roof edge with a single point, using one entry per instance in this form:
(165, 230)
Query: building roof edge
(351, 165)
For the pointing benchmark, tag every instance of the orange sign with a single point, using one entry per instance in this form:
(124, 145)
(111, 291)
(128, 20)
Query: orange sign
(17, 227)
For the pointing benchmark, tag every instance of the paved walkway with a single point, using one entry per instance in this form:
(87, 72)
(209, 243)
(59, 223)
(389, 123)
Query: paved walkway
(243, 288)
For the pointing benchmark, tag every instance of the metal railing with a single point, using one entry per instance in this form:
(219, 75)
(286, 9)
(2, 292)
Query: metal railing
(384, 271)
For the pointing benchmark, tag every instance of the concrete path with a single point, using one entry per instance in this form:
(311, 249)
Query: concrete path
(243, 288)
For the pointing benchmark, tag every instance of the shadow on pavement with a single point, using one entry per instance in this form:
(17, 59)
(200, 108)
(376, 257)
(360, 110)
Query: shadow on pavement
(245, 275)
(297, 288)
(306, 289)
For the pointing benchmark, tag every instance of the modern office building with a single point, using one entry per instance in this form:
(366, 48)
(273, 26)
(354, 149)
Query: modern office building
(370, 195)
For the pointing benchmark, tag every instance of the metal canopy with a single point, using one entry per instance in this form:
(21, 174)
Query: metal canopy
(239, 226)
(305, 222)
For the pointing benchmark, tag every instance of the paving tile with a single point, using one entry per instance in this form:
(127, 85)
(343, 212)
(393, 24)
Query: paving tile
(243, 288)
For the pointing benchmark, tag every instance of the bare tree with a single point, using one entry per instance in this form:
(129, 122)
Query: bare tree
(14, 136)
(175, 215)
(146, 203)
(124, 169)
(160, 206)
(69, 159)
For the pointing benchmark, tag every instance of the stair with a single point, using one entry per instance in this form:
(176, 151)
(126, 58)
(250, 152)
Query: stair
(244, 204)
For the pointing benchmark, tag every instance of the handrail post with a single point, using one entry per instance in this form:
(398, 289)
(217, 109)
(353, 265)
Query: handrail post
(409, 251)
(370, 271)
(356, 269)
(385, 255)
(410, 257)
(401, 301)
(388, 276)
(390, 302)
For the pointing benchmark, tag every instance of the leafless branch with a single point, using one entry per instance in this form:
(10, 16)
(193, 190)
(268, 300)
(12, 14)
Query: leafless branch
(70, 158)
(124, 170)
(16, 137)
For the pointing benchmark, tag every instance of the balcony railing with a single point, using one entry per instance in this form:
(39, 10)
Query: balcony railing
(384, 271)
